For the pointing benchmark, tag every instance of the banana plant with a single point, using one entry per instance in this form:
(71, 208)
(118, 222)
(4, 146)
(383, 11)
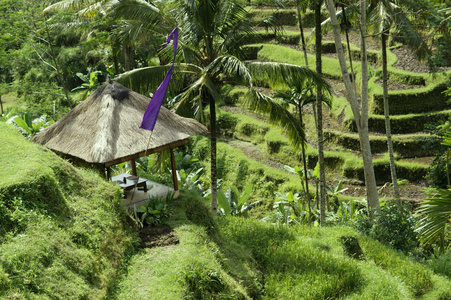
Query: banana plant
(32, 127)
(8, 117)
(335, 191)
(231, 203)
(191, 180)
(282, 216)
(90, 82)
(348, 211)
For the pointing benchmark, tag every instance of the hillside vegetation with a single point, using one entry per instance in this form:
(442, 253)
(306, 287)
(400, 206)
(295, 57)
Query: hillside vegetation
(64, 236)
(63, 233)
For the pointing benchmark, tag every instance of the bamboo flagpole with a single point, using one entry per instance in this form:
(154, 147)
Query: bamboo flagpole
(152, 111)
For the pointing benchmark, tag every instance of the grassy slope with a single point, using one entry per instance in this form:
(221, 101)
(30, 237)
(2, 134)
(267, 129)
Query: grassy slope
(252, 259)
(75, 251)
(63, 232)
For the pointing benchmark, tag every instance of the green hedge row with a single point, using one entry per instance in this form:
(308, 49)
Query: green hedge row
(285, 17)
(329, 47)
(410, 171)
(405, 146)
(401, 124)
(277, 147)
(429, 98)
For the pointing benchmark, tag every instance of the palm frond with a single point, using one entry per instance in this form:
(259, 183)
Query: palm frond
(83, 5)
(280, 75)
(146, 80)
(278, 116)
(191, 94)
(433, 216)
(230, 66)
(135, 10)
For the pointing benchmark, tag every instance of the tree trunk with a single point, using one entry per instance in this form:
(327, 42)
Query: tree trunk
(301, 30)
(304, 158)
(394, 178)
(368, 169)
(115, 61)
(319, 116)
(360, 113)
(346, 25)
(214, 184)
(128, 57)
(304, 162)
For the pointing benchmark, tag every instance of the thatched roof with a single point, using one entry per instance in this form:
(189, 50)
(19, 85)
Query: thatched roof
(104, 128)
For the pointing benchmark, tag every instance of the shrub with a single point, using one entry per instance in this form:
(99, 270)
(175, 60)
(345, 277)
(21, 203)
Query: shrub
(441, 264)
(155, 211)
(225, 122)
(393, 225)
(437, 172)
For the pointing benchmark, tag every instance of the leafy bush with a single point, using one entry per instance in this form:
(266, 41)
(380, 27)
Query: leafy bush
(232, 203)
(393, 225)
(437, 172)
(155, 211)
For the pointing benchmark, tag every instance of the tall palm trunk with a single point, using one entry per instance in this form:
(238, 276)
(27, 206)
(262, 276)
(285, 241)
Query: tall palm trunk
(394, 178)
(360, 112)
(304, 158)
(301, 30)
(346, 25)
(214, 184)
(128, 57)
(304, 162)
(319, 117)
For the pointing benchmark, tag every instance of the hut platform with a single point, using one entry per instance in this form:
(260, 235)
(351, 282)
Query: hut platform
(141, 197)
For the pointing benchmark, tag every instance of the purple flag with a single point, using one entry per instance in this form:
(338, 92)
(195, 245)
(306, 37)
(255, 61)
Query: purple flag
(151, 114)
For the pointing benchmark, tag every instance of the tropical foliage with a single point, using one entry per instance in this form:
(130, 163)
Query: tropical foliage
(434, 216)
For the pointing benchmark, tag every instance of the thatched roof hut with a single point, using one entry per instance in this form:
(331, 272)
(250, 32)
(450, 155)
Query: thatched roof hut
(104, 128)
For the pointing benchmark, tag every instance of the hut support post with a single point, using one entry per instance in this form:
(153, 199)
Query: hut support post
(133, 163)
(174, 171)
(108, 173)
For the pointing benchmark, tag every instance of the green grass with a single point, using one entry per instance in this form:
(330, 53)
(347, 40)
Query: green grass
(201, 266)
(80, 250)
(304, 262)
(331, 68)
(63, 230)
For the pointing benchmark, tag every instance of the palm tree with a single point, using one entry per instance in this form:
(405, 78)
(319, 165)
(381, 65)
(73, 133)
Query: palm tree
(319, 113)
(300, 96)
(390, 17)
(211, 32)
(83, 7)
